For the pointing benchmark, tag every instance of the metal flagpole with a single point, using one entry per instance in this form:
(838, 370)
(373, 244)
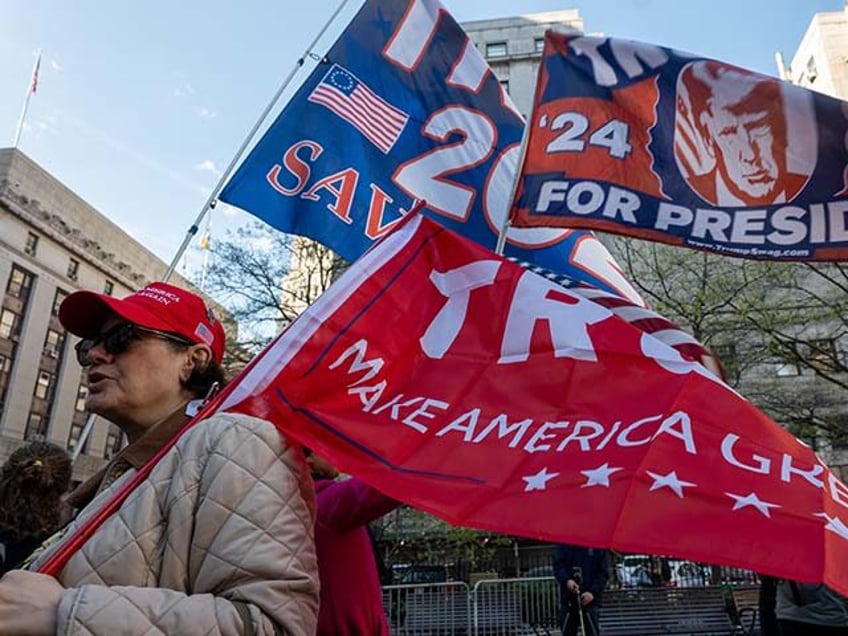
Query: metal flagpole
(205, 245)
(33, 83)
(226, 175)
(83, 436)
(210, 202)
(499, 247)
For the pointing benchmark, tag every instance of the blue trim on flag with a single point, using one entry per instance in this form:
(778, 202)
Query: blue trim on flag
(367, 451)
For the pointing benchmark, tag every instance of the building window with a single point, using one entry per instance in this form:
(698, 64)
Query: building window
(539, 45)
(812, 71)
(727, 355)
(31, 244)
(838, 435)
(57, 300)
(82, 396)
(36, 427)
(8, 325)
(20, 284)
(821, 354)
(787, 369)
(43, 384)
(54, 343)
(496, 49)
(5, 367)
(108, 287)
(114, 441)
(73, 269)
(77, 427)
(505, 85)
(74, 435)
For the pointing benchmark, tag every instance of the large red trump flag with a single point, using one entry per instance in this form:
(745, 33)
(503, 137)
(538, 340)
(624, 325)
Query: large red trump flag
(464, 385)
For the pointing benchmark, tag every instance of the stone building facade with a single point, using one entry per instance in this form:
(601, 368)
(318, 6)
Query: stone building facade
(51, 244)
(513, 48)
(821, 61)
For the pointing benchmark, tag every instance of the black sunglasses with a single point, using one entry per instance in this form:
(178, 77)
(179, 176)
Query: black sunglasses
(118, 339)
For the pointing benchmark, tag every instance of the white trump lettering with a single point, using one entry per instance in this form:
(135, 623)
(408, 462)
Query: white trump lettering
(501, 422)
(422, 411)
(456, 285)
(464, 424)
(668, 427)
(629, 56)
(551, 192)
(568, 317)
(761, 464)
(838, 492)
(369, 395)
(533, 446)
(787, 469)
(577, 435)
(672, 215)
(623, 436)
(359, 363)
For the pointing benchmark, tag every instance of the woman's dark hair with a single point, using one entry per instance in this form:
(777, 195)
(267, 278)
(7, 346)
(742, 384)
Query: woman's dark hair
(32, 482)
(201, 380)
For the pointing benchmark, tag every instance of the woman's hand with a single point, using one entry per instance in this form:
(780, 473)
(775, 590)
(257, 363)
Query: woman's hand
(28, 603)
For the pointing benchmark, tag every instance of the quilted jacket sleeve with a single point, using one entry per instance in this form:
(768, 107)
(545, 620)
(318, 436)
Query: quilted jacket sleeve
(239, 512)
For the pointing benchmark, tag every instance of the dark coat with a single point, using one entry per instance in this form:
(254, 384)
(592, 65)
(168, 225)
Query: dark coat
(593, 564)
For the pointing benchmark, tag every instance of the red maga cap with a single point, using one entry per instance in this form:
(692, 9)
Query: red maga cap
(158, 306)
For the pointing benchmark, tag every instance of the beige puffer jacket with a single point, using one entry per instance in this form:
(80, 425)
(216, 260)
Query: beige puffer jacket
(220, 530)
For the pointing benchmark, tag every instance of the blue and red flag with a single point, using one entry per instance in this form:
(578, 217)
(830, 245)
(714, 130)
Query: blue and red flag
(646, 141)
(404, 107)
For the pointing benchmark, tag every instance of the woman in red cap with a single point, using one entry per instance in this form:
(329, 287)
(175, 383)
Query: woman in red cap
(218, 538)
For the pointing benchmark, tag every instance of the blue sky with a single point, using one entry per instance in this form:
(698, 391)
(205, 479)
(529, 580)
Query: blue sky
(141, 105)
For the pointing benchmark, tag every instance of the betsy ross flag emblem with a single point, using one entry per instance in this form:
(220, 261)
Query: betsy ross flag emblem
(350, 99)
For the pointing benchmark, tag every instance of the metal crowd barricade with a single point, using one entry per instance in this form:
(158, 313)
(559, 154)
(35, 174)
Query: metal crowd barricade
(493, 608)
(520, 606)
(426, 609)
(515, 606)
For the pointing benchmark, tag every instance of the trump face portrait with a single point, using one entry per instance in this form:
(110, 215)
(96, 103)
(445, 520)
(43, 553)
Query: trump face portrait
(731, 138)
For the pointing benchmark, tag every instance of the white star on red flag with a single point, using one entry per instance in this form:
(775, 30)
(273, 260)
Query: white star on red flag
(539, 480)
(599, 476)
(835, 525)
(751, 499)
(671, 480)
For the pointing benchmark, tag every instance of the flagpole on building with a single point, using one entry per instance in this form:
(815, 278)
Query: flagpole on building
(210, 202)
(33, 84)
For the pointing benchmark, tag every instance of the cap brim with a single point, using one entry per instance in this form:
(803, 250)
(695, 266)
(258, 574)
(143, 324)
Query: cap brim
(84, 312)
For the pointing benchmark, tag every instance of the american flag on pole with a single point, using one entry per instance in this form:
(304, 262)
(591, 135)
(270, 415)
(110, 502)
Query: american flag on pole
(349, 98)
(34, 83)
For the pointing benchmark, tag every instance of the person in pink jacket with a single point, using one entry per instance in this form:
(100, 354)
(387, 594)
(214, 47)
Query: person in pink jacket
(351, 598)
